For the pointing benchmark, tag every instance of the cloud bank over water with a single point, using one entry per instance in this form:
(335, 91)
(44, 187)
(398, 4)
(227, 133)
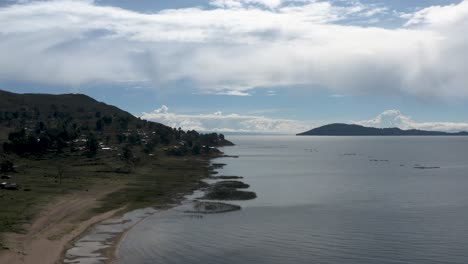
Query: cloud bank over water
(219, 122)
(237, 45)
(394, 118)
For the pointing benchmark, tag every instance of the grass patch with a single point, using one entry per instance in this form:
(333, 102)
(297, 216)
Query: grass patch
(154, 181)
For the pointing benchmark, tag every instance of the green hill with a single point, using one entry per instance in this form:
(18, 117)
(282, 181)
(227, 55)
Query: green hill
(36, 123)
(54, 145)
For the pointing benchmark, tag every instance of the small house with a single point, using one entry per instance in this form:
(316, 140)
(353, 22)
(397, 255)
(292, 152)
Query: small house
(11, 186)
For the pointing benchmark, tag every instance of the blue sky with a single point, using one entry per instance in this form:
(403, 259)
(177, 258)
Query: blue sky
(247, 65)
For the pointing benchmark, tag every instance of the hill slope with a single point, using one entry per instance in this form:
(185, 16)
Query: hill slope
(55, 111)
(357, 130)
(36, 123)
(91, 158)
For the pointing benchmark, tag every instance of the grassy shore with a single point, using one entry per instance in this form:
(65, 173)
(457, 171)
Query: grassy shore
(155, 180)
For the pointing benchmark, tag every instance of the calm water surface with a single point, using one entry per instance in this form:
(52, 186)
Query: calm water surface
(325, 200)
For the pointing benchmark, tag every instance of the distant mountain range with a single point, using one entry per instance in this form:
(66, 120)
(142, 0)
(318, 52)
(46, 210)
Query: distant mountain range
(357, 130)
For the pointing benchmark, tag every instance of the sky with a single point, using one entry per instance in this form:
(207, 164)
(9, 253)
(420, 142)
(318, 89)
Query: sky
(250, 66)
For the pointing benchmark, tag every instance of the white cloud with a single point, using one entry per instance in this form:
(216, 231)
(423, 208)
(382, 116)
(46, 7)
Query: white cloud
(337, 95)
(243, 3)
(394, 118)
(270, 93)
(220, 122)
(439, 15)
(236, 47)
(235, 93)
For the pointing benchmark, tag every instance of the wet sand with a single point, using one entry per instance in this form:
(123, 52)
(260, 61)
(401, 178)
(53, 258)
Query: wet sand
(54, 228)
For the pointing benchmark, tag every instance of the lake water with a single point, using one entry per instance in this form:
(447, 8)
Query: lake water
(325, 200)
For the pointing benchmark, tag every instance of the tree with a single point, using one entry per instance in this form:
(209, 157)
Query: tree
(123, 121)
(92, 144)
(121, 138)
(107, 120)
(134, 139)
(17, 136)
(150, 145)
(99, 125)
(6, 166)
(60, 171)
(127, 153)
(196, 149)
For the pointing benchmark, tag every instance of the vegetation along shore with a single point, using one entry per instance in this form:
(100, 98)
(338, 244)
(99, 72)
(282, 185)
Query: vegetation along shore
(69, 161)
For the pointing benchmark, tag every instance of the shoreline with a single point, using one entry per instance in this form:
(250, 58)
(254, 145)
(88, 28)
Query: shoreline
(32, 251)
(108, 254)
(118, 213)
(60, 223)
(44, 243)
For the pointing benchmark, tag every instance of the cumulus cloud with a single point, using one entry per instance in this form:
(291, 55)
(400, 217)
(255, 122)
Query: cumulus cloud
(394, 118)
(236, 93)
(439, 15)
(243, 3)
(220, 122)
(238, 45)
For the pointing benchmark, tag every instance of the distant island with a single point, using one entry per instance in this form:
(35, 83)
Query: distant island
(358, 130)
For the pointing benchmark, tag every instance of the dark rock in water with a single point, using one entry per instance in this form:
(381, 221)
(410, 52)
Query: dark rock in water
(213, 172)
(226, 177)
(425, 168)
(223, 193)
(212, 208)
(218, 165)
(231, 184)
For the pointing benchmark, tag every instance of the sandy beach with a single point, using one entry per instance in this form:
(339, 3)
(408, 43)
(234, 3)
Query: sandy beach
(58, 224)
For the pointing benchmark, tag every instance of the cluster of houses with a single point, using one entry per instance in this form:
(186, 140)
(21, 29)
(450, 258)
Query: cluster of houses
(8, 185)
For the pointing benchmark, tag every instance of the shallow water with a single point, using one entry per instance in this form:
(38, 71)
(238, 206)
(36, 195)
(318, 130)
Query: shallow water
(325, 200)
(88, 248)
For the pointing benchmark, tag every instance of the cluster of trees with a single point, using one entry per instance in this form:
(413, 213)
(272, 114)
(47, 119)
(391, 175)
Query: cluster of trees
(194, 143)
(56, 118)
(102, 121)
(59, 130)
(38, 141)
(6, 166)
(42, 139)
(46, 123)
(8, 115)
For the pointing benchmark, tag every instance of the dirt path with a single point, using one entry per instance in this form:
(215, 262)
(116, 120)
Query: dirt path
(58, 224)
